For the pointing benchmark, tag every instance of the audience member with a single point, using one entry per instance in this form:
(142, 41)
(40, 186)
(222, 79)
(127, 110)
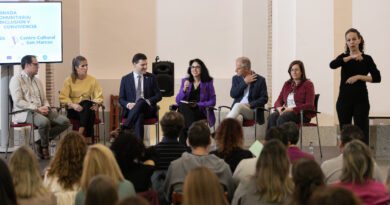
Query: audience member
(168, 149)
(99, 160)
(133, 200)
(81, 94)
(247, 167)
(130, 151)
(271, 183)
(330, 195)
(307, 176)
(200, 141)
(63, 175)
(27, 179)
(332, 168)
(101, 191)
(292, 131)
(202, 187)
(7, 190)
(357, 172)
(229, 139)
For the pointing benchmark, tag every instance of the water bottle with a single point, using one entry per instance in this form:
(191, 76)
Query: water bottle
(52, 148)
(311, 148)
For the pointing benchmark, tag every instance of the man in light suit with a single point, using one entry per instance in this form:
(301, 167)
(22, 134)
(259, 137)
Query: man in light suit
(139, 94)
(28, 93)
(249, 91)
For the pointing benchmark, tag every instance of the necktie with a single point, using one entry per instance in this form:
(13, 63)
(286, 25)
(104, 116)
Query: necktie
(138, 91)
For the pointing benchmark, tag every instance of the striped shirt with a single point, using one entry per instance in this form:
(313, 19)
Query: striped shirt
(167, 151)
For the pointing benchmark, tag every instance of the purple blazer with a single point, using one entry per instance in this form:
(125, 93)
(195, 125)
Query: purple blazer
(207, 98)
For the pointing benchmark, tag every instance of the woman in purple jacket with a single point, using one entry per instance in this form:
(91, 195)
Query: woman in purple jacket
(196, 93)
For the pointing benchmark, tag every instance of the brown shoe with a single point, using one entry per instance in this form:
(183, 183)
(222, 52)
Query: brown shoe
(45, 153)
(38, 150)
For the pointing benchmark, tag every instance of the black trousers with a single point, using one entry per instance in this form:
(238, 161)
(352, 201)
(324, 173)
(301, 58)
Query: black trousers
(86, 117)
(275, 119)
(136, 116)
(358, 110)
(191, 114)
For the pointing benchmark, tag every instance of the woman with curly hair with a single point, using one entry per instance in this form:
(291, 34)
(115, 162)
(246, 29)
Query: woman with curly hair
(99, 160)
(229, 139)
(130, 154)
(63, 174)
(202, 187)
(308, 177)
(271, 183)
(27, 180)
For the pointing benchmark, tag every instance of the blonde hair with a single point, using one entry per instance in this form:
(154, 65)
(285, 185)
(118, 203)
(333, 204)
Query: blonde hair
(358, 165)
(25, 173)
(272, 168)
(100, 160)
(202, 187)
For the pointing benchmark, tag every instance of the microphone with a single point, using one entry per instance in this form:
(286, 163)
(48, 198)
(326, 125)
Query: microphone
(187, 77)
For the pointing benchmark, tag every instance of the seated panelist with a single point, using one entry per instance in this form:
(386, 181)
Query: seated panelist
(196, 93)
(297, 94)
(81, 94)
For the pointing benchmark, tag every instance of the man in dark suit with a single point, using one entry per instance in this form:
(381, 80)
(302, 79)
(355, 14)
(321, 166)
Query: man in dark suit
(249, 91)
(139, 94)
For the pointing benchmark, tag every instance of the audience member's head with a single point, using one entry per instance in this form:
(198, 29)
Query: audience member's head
(99, 160)
(25, 174)
(276, 133)
(307, 176)
(128, 148)
(172, 124)
(199, 135)
(292, 132)
(272, 169)
(7, 191)
(333, 195)
(67, 163)
(133, 200)
(202, 187)
(358, 165)
(229, 136)
(349, 133)
(101, 191)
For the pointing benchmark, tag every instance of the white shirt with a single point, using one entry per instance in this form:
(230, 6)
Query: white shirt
(136, 83)
(246, 94)
(290, 100)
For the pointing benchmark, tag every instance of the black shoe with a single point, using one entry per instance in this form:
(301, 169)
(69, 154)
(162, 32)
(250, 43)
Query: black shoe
(38, 150)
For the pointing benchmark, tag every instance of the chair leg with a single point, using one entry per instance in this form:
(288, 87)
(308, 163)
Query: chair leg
(319, 138)
(6, 149)
(301, 131)
(157, 133)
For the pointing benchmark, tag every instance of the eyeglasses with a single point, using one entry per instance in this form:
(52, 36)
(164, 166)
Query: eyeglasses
(195, 67)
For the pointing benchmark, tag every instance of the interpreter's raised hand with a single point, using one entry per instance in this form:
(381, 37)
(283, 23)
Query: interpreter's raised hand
(250, 78)
(357, 57)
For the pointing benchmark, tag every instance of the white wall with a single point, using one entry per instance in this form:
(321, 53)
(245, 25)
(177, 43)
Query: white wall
(371, 18)
(303, 30)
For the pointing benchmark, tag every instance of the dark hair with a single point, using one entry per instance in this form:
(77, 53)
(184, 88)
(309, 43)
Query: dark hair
(277, 133)
(349, 133)
(7, 190)
(301, 66)
(172, 124)
(127, 147)
(199, 134)
(204, 72)
(307, 176)
(26, 60)
(133, 200)
(139, 56)
(101, 190)
(229, 136)
(333, 195)
(361, 45)
(75, 63)
(292, 131)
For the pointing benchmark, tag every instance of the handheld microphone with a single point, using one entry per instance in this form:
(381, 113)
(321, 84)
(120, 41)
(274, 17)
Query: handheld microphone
(187, 77)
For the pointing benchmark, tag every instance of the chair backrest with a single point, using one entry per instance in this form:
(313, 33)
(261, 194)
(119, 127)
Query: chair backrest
(316, 97)
(11, 103)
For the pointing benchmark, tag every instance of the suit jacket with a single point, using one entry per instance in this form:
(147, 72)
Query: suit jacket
(257, 97)
(21, 93)
(303, 97)
(127, 92)
(207, 98)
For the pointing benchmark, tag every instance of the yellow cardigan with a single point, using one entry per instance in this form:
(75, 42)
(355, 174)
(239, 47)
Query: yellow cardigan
(86, 89)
